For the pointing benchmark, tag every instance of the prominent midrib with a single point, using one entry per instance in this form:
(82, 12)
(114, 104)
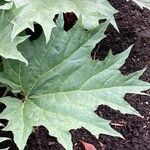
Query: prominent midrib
(91, 90)
(95, 89)
(59, 64)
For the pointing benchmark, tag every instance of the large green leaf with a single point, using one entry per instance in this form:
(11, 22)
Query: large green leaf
(43, 12)
(63, 86)
(8, 48)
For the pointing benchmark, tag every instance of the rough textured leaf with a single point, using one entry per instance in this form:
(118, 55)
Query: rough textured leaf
(8, 48)
(143, 3)
(63, 86)
(43, 12)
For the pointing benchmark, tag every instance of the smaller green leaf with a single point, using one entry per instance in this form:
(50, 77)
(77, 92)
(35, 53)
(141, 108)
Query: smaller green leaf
(43, 13)
(8, 48)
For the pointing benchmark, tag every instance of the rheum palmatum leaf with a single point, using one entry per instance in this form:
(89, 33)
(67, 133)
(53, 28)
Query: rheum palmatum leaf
(8, 48)
(63, 86)
(43, 12)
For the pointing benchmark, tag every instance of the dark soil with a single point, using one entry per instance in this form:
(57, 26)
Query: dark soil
(134, 26)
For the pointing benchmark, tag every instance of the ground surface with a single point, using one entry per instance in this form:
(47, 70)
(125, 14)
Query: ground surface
(134, 26)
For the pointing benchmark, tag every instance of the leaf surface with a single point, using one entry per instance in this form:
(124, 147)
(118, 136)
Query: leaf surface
(63, 86)
(43, 12)
(8, 48)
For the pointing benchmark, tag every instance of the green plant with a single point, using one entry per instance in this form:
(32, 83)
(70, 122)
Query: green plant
(24, 13)
(8, 48)
(62, 86)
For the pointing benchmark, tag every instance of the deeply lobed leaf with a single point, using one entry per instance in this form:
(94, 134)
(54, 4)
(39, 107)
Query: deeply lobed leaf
(43, 12)
(63, 86)
(8, 48)
(14, 21)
